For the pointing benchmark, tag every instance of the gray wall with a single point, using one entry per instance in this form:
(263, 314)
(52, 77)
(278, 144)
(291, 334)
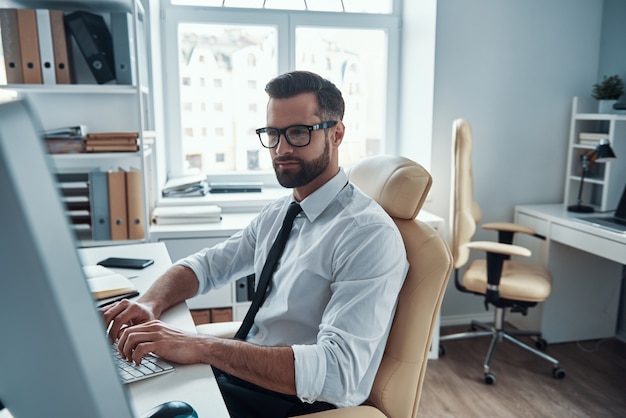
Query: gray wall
(511, 67)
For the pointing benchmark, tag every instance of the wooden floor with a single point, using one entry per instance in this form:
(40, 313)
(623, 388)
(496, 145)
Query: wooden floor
(595, 385)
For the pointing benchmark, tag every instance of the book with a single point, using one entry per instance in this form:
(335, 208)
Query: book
(176, 215)
(111, 148)
(111, 141)
(109, 135)
(117, 205)
(64, 144)
(11, 46)
(29, 46)
(105, 283)
(595, 136)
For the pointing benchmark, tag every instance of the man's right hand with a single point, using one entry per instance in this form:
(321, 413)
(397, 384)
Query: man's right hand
(125, 313)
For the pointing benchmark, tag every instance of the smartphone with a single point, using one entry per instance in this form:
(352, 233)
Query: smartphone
(127, 263)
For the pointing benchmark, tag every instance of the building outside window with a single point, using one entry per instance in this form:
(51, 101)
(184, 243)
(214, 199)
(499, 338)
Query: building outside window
(239, 49)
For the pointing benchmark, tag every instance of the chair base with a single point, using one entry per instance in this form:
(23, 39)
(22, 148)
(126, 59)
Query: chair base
(498, 333)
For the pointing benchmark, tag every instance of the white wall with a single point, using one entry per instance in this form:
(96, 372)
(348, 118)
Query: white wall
(511, 67)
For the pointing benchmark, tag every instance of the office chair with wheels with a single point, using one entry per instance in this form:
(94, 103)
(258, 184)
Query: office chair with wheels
(400, 186)
(501, 281)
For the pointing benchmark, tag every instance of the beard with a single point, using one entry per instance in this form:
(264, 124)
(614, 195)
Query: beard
(308, 171)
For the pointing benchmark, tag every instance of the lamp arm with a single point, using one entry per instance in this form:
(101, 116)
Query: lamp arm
(585, 166)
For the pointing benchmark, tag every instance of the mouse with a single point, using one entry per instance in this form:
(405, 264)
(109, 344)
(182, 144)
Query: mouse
(172, 409)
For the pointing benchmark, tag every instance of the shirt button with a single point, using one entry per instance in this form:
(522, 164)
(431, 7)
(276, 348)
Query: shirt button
(266, 304)
(260, 336)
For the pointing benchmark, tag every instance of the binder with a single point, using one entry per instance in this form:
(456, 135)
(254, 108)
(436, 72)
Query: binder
(11, 46)
(59, 46)
(123, 37)
(134, 200)
(99, 201)
(117, 205)
(46, 51)
(29, 46)
(94, 41)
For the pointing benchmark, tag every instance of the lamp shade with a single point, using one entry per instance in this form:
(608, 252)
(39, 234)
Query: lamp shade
(604, 152)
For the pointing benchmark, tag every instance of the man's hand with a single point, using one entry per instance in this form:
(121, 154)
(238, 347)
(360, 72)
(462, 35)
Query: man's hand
(156, 337)
(124, 314)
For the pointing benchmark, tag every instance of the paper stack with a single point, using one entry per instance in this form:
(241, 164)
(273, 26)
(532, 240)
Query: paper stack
(176, 215)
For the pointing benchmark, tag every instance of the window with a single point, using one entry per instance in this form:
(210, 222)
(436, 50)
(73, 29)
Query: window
(238, 50)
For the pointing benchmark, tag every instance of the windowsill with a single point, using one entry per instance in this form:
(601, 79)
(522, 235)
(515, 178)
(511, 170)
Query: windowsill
(230, 202)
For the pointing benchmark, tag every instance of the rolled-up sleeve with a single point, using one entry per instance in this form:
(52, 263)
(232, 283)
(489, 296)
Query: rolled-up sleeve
(370, 268)
(216, 266)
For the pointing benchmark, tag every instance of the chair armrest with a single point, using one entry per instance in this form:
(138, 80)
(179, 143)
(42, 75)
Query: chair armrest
(219, 329)
(509, 227)
(361, 411)
(499, 248)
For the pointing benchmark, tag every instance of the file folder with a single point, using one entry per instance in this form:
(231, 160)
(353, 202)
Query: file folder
(117, 205)
(99, 202)
(46, 51)
(29, 46)
(123, 37)
(135, 209)
(59, 46)
(11, 46)
(94, 41)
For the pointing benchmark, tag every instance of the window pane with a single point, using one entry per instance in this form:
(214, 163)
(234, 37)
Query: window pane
(349, 6)
(234, 58)
(355, 60)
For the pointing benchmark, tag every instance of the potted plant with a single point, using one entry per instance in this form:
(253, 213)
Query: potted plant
(607, 92)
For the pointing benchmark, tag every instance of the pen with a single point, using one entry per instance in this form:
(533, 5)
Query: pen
(110, 302)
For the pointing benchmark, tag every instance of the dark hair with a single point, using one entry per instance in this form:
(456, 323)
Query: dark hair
(329, 98)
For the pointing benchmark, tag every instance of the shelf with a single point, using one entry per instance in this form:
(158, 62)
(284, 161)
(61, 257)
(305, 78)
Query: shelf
(600, 116)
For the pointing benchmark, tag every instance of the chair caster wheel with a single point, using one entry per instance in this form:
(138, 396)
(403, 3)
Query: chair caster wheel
(558, 373)
(490, 378)
(541, 344)
(442, 350)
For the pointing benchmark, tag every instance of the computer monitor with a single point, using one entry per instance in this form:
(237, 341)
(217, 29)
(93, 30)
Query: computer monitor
(55, 360)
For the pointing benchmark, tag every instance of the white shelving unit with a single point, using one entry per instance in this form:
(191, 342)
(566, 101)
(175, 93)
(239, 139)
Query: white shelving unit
(604, 181)
(109, 107)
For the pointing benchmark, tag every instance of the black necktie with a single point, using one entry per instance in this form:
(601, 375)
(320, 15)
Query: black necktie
(268, 269)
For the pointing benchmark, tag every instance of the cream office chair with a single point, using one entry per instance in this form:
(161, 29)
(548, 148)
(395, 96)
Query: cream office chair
(502, 282)
(400, 186)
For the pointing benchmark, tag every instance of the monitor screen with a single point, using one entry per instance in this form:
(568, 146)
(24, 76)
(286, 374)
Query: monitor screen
(55, 358)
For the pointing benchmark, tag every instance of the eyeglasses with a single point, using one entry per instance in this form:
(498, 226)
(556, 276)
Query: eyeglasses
(296, 135)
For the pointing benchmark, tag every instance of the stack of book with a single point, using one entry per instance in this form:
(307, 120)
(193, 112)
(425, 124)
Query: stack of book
(112, 142)
(68, 140)
(592, 138)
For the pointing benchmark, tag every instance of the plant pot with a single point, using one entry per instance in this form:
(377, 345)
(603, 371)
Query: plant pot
(606, 106)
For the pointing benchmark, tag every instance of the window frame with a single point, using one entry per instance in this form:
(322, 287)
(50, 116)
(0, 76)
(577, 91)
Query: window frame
(286, 22)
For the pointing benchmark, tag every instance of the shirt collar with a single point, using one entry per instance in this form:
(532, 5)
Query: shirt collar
(314, 204)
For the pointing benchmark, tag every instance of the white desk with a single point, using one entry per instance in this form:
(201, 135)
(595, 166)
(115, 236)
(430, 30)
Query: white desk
(194, 384)
(586, 263)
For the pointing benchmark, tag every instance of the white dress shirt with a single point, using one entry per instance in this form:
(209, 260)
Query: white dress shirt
(334, 291)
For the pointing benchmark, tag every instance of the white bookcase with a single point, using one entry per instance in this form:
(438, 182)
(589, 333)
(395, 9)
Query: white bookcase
(115, 106)
(604, 181)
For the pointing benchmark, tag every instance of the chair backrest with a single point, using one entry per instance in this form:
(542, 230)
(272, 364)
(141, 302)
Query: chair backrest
(465, 212)
(400, 186)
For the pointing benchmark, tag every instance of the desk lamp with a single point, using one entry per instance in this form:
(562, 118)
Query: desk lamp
(601, 154)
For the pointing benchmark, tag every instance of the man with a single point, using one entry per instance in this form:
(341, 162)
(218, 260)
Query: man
(320, 333)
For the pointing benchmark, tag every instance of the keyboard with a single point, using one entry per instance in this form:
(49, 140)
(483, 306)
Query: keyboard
(151, 365)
